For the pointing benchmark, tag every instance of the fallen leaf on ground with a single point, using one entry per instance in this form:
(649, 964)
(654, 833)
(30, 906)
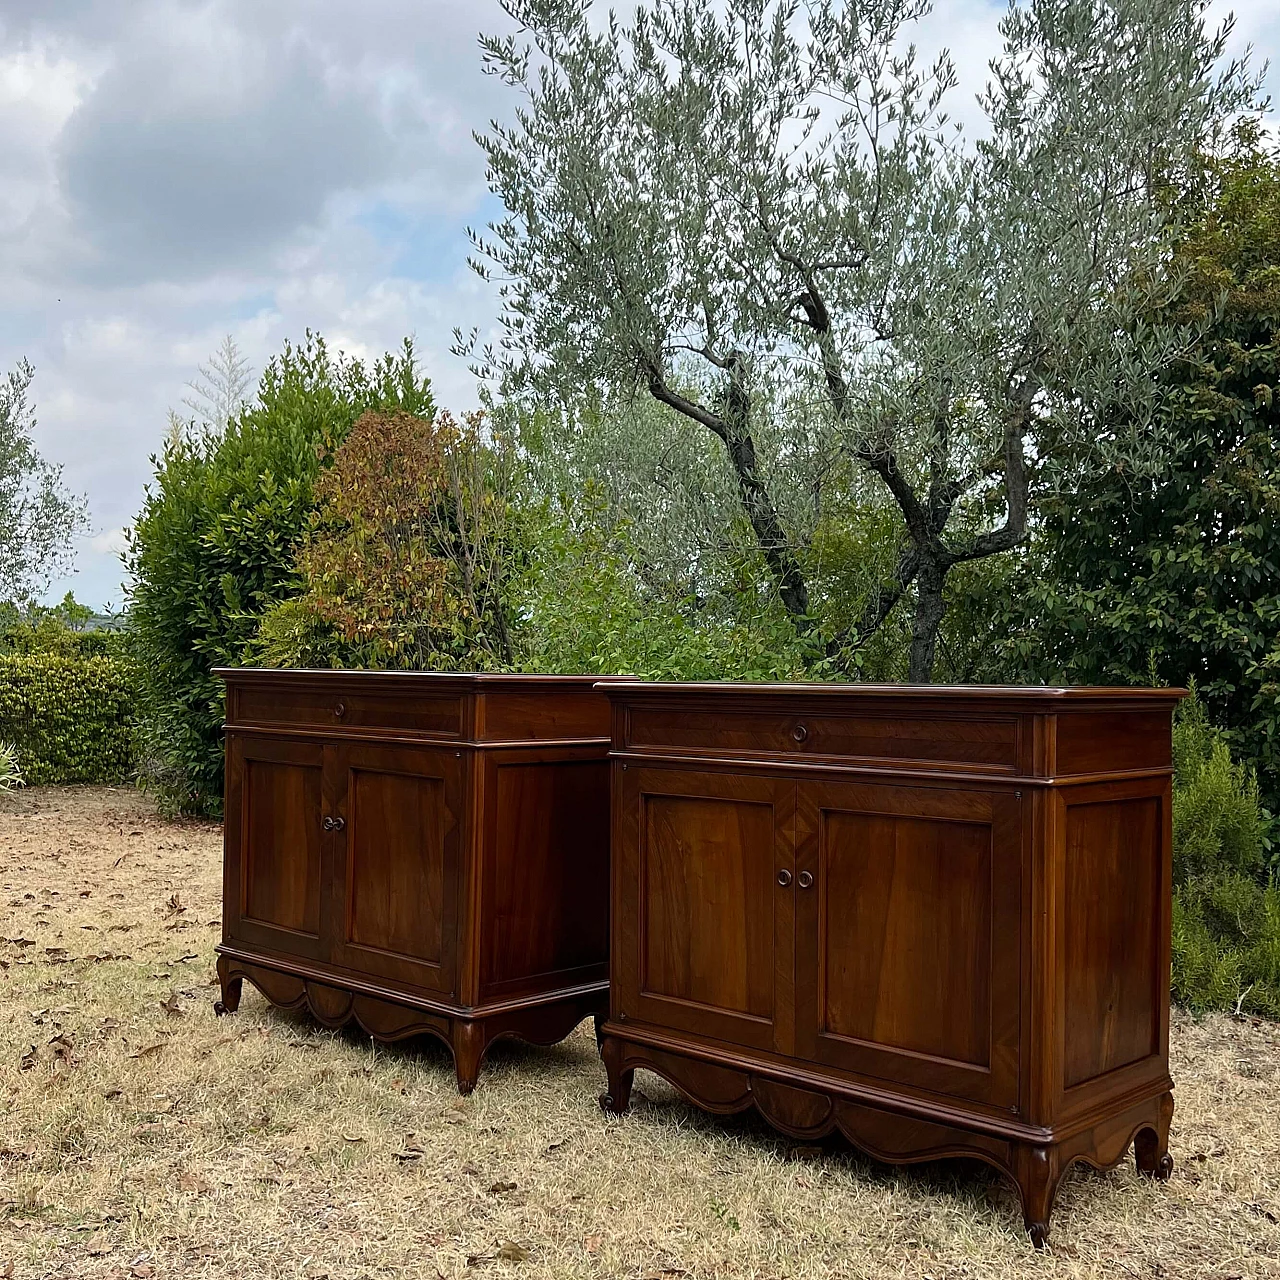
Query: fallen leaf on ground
(412, 1149)
(28, 1059)
(63, 1050)
(512, 1252)
(170, 1006)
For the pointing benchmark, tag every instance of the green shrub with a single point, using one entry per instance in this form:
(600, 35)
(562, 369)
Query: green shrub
(1218, 821)
(215, 545)
(70, 719)
(1226, 908)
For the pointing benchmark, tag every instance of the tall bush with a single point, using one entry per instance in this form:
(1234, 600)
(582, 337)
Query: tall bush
(409, 556)
(215, 545)
(1226, 908)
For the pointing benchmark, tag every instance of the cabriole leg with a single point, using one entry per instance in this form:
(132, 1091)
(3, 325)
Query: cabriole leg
(229, 1001)
(469, 1044)
(1151, 1145)
(618, 1099)
(1038, 1178)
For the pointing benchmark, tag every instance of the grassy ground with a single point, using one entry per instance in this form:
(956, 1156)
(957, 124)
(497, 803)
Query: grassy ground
(141, 1137)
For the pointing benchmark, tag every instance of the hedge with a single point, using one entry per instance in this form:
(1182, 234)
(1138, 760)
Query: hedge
(71, 718)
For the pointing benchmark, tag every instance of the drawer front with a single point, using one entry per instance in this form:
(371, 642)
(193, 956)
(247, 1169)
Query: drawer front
(431, 715)
(988, 743)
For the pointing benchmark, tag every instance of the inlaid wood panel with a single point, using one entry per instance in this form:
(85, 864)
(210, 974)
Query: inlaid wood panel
(988, 743)
(1103, 741)
(546, 872)
(1112, 919)
(527, 712)
(288, 703)
(281, 818)
(906, 918)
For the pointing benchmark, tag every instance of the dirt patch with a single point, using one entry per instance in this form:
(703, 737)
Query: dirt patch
(141, 1137)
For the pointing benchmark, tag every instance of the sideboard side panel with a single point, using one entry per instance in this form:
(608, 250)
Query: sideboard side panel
(545, 873)
(1113, 937)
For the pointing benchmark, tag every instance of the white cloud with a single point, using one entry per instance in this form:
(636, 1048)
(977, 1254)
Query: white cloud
(111, 543)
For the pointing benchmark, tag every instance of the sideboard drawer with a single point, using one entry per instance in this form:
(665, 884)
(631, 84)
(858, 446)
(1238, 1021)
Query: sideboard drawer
(438, 716)
(985, 743)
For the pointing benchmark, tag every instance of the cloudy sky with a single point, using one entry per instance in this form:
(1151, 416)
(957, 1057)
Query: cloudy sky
(175, 170)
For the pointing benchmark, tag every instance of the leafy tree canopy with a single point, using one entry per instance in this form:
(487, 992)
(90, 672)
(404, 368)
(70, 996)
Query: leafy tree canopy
(742, 210)
(39, 518)
(1177, 577)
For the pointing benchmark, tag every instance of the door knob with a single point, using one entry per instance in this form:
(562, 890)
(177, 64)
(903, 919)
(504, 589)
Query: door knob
(333, 824)
(804, 879)
(784, 877)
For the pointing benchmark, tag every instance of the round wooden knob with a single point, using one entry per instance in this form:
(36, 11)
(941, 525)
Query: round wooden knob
(799, 733)
(784, 877)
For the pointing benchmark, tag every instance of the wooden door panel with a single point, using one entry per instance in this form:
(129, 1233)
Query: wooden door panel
(923, 905)
(396, 869)
(706, 930)
(909, 935)
(273, 844)
(396, 850)
(708, 889)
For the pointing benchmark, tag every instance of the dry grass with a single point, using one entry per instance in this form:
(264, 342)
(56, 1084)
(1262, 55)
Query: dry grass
(148, 1138)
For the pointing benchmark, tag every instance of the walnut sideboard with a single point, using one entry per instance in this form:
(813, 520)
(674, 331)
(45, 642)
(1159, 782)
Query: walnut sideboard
(419, 852)
(935, 919)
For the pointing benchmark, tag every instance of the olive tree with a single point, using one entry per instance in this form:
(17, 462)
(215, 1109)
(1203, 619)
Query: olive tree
(39, 518)
(731, 206)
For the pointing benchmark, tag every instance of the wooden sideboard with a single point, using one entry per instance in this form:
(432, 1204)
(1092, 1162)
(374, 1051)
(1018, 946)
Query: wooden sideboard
(421, 853)
(935, 919)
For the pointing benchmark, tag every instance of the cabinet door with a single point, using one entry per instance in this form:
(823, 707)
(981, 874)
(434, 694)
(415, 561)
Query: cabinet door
(703, 932)
(272, 869)
(908, 918)
(397, 854)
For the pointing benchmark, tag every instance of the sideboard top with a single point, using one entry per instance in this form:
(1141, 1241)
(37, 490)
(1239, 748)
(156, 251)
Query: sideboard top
(318, 675)
(621, 687)
(442, 706)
